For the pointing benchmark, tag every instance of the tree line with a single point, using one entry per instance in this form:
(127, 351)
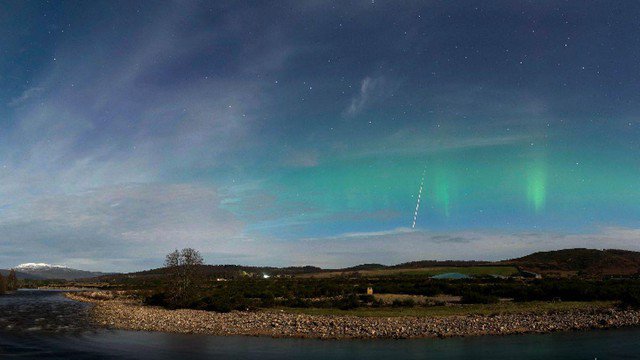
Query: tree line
(186, 286)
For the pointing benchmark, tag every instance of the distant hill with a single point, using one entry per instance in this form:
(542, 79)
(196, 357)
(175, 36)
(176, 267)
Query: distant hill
(216, 271)
(584, 262)
(415, 265)
(365, 267)
(436, 263)
(569, 262)
(48, 271)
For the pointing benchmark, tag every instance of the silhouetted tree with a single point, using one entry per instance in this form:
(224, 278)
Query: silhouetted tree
(184, 276)
(172, 259)
(12, 281)
(3, 284)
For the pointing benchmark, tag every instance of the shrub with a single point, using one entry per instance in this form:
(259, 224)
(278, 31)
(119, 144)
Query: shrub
(297, 303)
(348, 302)
(218, 304)
(225, 303)
(156, 299)
(367, 299)
(409, 302)
(631, 299)
(268, 301)
(473, 297)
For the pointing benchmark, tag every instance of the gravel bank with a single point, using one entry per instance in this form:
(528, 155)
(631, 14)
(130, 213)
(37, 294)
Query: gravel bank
(128, 315)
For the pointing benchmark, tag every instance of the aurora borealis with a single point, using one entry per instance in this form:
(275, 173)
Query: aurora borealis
(284, 133)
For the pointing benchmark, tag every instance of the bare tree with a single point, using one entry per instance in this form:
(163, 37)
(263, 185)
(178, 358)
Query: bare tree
(191, 257)
(12, 281)
(172, 259)
(184, 275)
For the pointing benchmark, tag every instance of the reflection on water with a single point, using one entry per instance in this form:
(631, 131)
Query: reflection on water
(65, 333)
(42, 311)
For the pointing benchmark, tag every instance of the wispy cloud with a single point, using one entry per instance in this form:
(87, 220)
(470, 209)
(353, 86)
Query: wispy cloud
(88, 166)
(127, 222)
(417, 142)
(26, 95)
(371, 89)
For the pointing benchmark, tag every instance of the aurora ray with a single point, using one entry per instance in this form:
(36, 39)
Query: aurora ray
(537, 186)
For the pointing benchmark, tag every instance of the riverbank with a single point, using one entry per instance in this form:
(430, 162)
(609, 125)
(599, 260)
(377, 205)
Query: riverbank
(128, 314)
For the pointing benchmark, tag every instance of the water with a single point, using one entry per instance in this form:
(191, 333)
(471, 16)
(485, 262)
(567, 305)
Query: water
(65, 333)
(42, 311)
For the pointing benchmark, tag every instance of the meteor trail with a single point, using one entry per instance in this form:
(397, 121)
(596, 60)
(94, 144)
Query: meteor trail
(415, 213)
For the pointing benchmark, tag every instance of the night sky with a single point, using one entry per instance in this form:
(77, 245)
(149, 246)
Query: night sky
(287, 133)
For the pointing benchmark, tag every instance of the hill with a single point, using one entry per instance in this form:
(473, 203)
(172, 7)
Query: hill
(47, 271)
(215, 271)
(581, 262)
(365, 267)
(440, 263)
(570, 262)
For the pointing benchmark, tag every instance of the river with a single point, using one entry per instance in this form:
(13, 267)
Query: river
(45, 325)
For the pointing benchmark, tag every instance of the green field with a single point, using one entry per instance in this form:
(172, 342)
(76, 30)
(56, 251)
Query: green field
(427, 271)
(480, 309)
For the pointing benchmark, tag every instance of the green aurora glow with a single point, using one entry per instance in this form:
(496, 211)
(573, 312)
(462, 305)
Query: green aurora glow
(495, 186)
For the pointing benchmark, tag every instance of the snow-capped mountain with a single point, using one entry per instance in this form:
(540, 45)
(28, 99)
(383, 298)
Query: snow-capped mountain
(50, 271)
(38, 266)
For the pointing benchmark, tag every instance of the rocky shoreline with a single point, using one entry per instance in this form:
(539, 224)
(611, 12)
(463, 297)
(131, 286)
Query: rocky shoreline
(130, 315)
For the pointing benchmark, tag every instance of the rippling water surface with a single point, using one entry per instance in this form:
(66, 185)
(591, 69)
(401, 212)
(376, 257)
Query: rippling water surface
(45, 325)
(42, 311)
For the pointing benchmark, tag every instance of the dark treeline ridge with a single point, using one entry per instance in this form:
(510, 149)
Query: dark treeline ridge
(221, 271)
(437, 263)
(348, 293)
(417, 264)
(583, 263)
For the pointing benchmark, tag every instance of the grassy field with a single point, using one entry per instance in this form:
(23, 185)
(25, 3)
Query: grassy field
(429, 271)
(435, 311)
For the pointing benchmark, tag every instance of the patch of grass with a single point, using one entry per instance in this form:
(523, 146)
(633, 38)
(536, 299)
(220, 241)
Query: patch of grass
(466, 270)
(428, 271)
(480, 309)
